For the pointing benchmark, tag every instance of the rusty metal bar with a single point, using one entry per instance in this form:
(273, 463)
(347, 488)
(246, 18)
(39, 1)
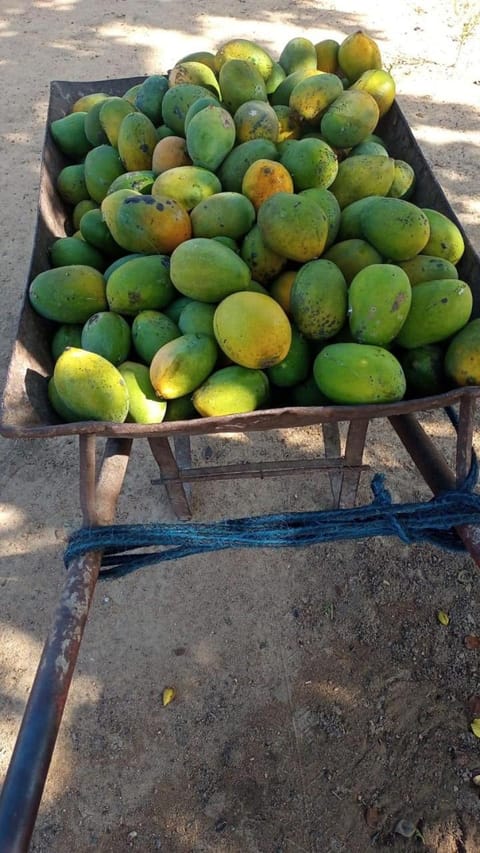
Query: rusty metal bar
(435, 471)
(27, 772)
(25, 779)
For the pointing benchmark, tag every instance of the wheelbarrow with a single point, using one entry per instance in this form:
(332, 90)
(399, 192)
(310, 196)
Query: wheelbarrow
(26, 414)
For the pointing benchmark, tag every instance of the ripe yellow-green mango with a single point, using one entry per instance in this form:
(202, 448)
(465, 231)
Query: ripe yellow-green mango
(311, 163)
(236, 163)
(424, 370)
(252, 329)
(462, 358)
(349, 119)
(428, 268)
(63, 411)
(299, 54)
(293, 225)
(240, 81)
(189, 185)
(190, 71)
(398, 229)
(445, 240)
(197, 106)
(256, 120)
(231, 390)
(330, 207)
(327, 55)
(281, 95)
(350, 219)
(84, 103)
(146, 223)
(144, 407)
(102, 166)
(361, 176)
(295, 367)
(204, 56)
(276, 77)
(91, 386)
(247, 50)
(80, 209)
(223, 214)
(131, 93)
(137, 139)
(182, 365)
(318, 300)
(176, 103)
(351, 256)
(69, 294)
(380, 85)
(369, 147)
(107, 334)
(150, 331)
(290, 123)
(149, 96)
(112, 112)
(180, 409)
(357, 53)
(356, 374)
(140, 284)
(69, 250)
(403, 180)
(207, 271)
(210, 137)
(71, 184)
(69, 136)
(379, 300)
(439, 309)
(312, 95)
(264, 263)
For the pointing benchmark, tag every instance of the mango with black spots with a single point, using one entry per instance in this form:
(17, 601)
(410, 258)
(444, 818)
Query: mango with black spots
(181, 365)
(140, 180)
(424, 370)
(428, 268)
(231, 390)
(311, 162)
(351, 256)
(358, 53)
(112, 112)
(331, 208)
(240, 81)
(398, 229)
(188, 185)
(439, 310)
(252, 329)
(318, 300)
(350, 118)
(256, 119)
(137, 139)
(462, 358)
(144, 407)
(293, 225)
(362, 176)
(263, 262)
(176, 103)
(146, 223)
(313, 94)
(140, 284)
(299, 54)
(264, 178)
(359, 374)
(90, 386)
(248, 51)
(379, 300)
(380, 85)
(149, 96)
(206, 270)
(191, 71)
(69, 294)
(445, 238)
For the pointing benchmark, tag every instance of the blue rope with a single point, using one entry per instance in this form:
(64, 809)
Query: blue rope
(433, 521)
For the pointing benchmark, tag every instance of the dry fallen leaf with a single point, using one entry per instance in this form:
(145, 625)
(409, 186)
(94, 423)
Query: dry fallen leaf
(443, 617)
(168, 695)
(475, 726)
(473, 706)
(372, 816)
(471, 641)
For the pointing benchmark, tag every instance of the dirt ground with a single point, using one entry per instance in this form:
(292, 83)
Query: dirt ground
(319, 701)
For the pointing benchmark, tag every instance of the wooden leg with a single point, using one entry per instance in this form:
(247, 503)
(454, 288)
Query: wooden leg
(465, 438)
(354, 448)
(331, 440)
(111, 476)
(170, 475)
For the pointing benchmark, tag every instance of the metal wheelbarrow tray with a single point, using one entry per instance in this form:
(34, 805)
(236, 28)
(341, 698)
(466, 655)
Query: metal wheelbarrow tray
(26, 413)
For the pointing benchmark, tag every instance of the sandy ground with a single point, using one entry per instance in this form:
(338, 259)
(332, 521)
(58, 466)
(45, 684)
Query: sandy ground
(318, 699)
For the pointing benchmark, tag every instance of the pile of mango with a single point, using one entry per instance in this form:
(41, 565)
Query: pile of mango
(241, 238)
